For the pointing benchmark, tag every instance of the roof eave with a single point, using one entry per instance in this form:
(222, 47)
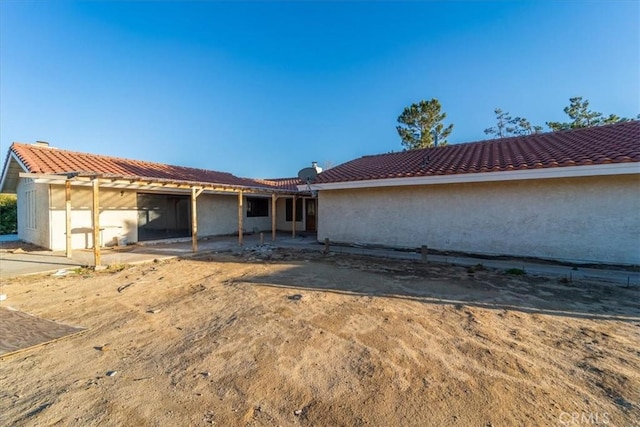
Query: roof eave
(10, 174)
(516, 175)
(135, 182)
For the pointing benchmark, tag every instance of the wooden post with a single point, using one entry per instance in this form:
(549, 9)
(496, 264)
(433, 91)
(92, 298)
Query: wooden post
(96, 222)
(194, 220)
(67, 207)
(274, 198)
(293, 219)
(240, 217)
(424, 253)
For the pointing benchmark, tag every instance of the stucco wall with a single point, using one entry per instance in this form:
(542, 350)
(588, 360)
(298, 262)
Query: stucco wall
(38, 233)
(591, 219)
(118, 216)
(218, 215)
(281, 223)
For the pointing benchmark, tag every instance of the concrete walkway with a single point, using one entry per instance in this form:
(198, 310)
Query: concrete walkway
(49, 262)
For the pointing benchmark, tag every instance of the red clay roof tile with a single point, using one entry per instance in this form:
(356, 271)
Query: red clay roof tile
(281, 183)
(48, 160)
(616, 143)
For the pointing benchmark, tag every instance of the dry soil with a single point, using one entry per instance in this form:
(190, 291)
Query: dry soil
(282, 338)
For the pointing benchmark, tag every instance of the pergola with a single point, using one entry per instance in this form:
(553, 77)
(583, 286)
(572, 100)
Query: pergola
(195, 189)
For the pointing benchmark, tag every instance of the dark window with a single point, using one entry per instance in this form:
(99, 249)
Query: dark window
(257, 207)
(289, 210)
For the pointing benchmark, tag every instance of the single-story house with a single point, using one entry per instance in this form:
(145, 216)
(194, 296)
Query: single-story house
(63, 194)
(570, 195)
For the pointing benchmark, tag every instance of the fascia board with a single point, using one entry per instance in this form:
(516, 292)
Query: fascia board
(12, 157)
(543, 173)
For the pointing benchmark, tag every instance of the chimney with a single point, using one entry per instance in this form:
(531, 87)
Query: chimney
(41, 144)
(316, 167)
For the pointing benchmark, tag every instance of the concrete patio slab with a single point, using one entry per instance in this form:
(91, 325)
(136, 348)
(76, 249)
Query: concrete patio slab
(41, 262)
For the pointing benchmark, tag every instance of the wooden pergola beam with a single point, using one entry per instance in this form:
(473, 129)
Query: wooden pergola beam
(274, 199)
(96, 222)
(67, 210)
(240, 217)
(150, 184)
(195, 192)
(293, 220)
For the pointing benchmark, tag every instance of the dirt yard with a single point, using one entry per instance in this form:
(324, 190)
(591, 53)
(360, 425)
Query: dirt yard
(287, 338)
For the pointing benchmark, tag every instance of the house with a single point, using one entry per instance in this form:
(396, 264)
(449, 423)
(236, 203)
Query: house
(571, 195)
(63, 194)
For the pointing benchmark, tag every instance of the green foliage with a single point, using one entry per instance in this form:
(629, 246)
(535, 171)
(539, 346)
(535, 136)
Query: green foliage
(581, 117)
(516, 271)
(8, 214)
(420, 122)
(511, 126)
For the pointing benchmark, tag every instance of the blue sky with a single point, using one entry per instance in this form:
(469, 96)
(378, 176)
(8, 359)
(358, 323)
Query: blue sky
(261, 89)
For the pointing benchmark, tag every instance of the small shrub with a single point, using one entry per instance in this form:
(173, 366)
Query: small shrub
(516, 271)
(8, 214)
(115, 268)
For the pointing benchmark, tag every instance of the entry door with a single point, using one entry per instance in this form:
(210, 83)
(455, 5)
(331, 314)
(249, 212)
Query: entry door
(310, 208)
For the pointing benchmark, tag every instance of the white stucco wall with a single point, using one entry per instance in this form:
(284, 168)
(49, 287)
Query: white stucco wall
(118, 216)
(594, 219)
(38, 233)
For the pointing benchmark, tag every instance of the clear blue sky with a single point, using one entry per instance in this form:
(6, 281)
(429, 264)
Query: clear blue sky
(260, 89)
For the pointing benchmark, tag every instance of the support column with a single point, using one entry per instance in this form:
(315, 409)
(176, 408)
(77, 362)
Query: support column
(240, 217)
(194, 220)
(67, 207)
(96, 222)
(293, 219)
(274, 198)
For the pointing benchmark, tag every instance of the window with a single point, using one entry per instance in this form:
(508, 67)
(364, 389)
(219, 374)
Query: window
(289, 210)
(30, 208)
(257, 207)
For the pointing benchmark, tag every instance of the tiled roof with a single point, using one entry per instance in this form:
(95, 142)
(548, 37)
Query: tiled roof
(281, 183)
(48, 160)
(617, 143)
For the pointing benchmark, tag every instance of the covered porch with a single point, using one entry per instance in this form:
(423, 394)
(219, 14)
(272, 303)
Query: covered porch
(118, 210)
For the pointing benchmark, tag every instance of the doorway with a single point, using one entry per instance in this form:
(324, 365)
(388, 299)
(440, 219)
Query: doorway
(163, 216)
(310, 215)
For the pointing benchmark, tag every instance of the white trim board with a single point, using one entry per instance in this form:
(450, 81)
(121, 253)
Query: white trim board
(543, 173)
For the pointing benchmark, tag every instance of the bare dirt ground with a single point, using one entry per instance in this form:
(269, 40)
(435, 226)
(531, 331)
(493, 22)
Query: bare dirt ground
(19, 246)
(289, 338)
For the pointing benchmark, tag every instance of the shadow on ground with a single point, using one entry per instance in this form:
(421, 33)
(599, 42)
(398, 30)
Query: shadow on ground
(477, 286)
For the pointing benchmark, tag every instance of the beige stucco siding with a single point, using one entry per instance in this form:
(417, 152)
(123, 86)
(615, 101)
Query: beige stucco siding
(33, 212)
(118, 216)
(576, 219)
(218, 215)
(281, 219)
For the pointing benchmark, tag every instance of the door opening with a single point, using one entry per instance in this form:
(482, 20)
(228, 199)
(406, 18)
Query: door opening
(310, 213)
(163, 216)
